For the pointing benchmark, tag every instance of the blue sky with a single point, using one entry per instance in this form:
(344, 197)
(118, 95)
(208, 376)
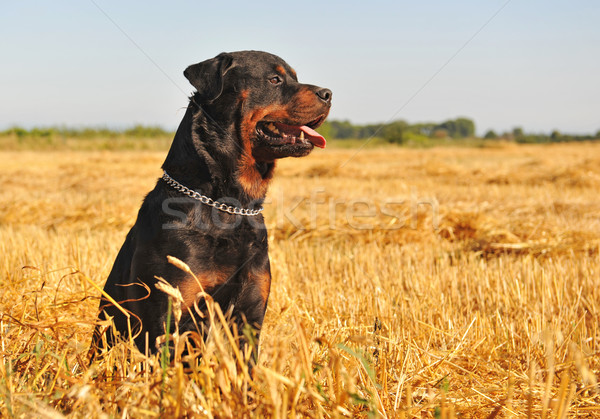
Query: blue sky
(536, 64)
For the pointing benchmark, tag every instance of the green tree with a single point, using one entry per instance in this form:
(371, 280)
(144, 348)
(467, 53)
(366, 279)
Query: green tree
(425, 128)
(342, 129)
(556, 136)
(458, 128)
(325, 130)
(448, 126)
(368, 131)
(465, 127)
(518, 133)
(491, 135)
(394, 132)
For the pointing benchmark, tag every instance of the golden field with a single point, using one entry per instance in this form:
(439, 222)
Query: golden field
(406, 283)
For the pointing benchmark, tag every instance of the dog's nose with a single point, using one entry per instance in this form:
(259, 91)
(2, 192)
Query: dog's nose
(325, 95)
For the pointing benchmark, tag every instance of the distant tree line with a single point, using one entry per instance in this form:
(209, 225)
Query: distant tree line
(139, 131)
(519, 136)
(453, 129)
(399, 132)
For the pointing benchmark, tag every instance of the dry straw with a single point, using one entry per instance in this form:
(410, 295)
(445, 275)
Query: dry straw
(492, 309)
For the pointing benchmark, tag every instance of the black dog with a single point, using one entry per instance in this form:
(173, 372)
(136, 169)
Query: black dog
(248, 111)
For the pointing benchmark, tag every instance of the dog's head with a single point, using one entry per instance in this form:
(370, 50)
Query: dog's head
(273, 114)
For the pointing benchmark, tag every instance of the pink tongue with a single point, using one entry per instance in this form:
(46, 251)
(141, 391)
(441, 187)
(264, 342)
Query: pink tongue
(313, 136)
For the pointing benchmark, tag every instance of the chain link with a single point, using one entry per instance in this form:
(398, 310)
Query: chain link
(209, 201)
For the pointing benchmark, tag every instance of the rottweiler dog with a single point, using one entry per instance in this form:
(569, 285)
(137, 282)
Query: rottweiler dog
(248, 111)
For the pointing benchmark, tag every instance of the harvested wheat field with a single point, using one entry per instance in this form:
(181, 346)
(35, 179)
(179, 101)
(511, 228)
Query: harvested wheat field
(406, 283)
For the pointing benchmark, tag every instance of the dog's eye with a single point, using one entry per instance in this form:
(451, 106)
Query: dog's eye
(275, 80)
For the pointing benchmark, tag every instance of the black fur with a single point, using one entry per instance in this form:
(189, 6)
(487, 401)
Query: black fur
(217, 152)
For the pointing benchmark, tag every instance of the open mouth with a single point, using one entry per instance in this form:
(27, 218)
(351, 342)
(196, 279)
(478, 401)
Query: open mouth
(279, 134)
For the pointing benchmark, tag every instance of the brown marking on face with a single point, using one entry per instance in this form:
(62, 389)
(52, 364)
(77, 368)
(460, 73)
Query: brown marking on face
(303, 106)
(253, 183)
(243, 96)
(190, 288)
(293, 73)
(280, 70)
(305, 98)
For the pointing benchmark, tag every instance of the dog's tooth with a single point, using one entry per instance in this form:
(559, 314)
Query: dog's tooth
(302, 135)
(273, 128)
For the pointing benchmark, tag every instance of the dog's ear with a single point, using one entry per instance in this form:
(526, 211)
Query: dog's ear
(207, 76)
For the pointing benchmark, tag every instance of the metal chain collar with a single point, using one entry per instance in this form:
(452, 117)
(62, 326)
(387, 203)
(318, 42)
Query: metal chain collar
(209, 201)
